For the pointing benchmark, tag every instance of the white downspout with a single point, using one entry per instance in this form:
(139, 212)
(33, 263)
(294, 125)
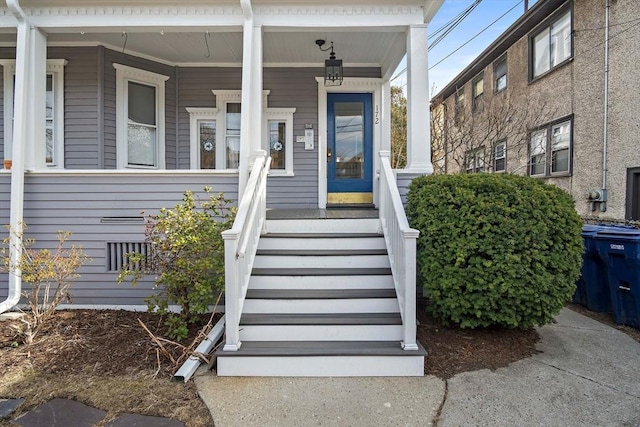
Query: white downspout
(17, 169)
(605, 142)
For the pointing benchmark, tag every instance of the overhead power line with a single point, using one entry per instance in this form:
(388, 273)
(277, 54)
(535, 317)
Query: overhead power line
(454, 24)
(476, 35)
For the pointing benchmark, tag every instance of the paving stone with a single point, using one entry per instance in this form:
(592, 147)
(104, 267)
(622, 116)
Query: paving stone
(61, 413)
(136, 420)
(8, 406)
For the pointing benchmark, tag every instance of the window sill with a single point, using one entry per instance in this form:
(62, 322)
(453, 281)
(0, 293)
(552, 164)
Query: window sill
(551, 70)
(281, 174)
(555, 175)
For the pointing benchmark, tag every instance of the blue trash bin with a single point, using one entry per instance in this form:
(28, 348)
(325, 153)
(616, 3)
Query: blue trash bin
(620, 250)
(591, 288)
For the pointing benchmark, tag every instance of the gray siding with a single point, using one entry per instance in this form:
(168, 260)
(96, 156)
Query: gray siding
(403, 181)
(77, 203)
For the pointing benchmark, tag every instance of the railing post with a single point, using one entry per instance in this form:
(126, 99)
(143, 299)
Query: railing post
(409, 334)
(232, 277)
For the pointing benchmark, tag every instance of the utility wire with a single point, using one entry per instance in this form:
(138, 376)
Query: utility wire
(472, 38)
(466, 13)
(455, 18)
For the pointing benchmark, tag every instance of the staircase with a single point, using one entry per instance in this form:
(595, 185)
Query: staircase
(321, 302)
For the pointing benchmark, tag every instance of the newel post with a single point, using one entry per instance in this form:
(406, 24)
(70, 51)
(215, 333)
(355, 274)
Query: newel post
(231, 290)
(410, 237)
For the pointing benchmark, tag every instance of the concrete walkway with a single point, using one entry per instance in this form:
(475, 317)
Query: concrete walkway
(587, 374)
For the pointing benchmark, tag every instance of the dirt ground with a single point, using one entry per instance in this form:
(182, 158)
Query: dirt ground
(106, 359)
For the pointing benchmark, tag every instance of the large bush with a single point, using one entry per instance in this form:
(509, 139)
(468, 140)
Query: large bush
(495, 249)
(186, 256)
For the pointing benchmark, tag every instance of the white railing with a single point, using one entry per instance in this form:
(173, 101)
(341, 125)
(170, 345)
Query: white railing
(401, 245)
(241, 244)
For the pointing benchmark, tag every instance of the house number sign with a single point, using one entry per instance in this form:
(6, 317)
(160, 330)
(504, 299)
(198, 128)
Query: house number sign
(377, 116)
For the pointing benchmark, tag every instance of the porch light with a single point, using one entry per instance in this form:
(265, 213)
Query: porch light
(332, 66)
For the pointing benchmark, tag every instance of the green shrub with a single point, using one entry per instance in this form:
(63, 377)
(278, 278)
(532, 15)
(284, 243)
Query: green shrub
(495, 249)
(187, 257)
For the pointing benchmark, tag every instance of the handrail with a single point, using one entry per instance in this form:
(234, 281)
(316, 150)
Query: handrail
(400, 240)
(241, 244)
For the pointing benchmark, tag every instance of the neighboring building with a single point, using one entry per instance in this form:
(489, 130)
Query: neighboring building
(534, 102)
(109, 110)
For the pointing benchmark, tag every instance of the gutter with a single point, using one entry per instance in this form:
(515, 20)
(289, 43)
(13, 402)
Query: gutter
(17, 169)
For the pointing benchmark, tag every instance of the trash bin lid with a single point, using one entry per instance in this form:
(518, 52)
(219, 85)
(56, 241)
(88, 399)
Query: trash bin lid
(618, 233)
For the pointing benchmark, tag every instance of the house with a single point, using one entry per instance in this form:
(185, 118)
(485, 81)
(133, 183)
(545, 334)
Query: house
(552, 97)
(114, 108)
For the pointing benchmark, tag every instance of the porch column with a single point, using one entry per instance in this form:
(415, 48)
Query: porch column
(251, 117)
(418, 123)
(36, 141)
(385, 143)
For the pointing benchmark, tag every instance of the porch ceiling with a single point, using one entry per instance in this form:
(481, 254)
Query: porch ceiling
(362, 47)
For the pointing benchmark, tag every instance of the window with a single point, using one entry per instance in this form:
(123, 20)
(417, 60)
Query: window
(279, 137)
(551, 46)
(633, 194)
(500, 157)
(500, 74)
(550, 149)
(474, 160)
(215, 134)
(139, 118)
(477, 86)
(52, 145)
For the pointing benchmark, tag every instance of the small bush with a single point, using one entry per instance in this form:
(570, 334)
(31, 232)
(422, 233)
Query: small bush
(49, 274)
(495, 249)
(187, 257)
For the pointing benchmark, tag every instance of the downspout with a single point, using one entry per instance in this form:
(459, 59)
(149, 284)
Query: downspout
(603, 204)
(17, 170)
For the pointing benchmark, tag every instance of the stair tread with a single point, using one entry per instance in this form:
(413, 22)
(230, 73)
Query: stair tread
(322, 348)
(301, 294)
(321, 319)
(321, 235)
(321, 271)
(321, 252)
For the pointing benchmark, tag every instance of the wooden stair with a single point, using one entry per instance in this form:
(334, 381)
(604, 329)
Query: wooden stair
(321, 302)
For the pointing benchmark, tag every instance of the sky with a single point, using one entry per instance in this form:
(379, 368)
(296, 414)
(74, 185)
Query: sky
(481, 17)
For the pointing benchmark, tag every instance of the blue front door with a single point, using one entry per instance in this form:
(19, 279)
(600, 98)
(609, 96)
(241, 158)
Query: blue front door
(349, 147)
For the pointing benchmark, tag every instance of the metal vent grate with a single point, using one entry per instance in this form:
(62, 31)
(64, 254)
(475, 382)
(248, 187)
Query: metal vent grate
(117, 251)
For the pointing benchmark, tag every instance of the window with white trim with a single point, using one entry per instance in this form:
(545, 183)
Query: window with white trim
(215, 134)
(474, 160)
(477, 87)
(53, 143)
(550, 149)
(139, 118)
(551, 45)
(500, 156)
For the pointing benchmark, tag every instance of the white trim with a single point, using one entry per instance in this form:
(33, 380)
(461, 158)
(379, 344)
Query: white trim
(128, 172)
(195, 116)
(281, 115)
(349, 85)
(55, 67)
(125, 74)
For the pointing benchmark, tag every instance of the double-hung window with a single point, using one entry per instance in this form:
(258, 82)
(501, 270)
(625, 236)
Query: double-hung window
(551, 45)
(477, 86)
(500, 74)
(279, 139)
(550, 149)
(500, 156)
(474, 160)
(52, 145)
(140, 118)
(459, 105)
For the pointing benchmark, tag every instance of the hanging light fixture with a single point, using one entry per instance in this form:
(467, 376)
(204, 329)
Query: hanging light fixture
(332, 66)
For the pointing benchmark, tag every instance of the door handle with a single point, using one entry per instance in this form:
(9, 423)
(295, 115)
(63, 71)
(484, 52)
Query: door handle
(328, 154)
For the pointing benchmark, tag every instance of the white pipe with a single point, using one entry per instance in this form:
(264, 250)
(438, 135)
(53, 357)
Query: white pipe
(17, 169)
(605, 160)
(189, 367)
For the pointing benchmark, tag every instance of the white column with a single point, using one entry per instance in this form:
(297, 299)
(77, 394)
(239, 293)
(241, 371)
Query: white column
(246, 101)
(35, 156)
(385, 144)
(257, 99)
(418, 121)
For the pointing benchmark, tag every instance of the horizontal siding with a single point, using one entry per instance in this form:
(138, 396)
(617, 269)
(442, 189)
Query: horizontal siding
(78, 203)
(403, 181)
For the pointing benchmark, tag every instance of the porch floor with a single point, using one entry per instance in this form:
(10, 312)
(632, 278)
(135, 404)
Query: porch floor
(332, 213)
